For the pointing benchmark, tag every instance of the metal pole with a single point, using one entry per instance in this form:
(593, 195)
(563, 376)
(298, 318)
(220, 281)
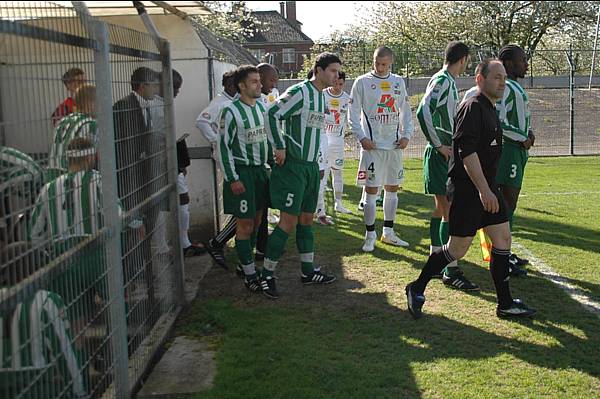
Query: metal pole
(167, 83)
(571, 101)
(594, 52)
(106, 147)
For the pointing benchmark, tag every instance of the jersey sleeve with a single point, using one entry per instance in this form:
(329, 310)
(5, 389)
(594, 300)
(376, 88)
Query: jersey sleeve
(427, 109)
(355, 110)
(208, 121)
(225, 147)
(510, 103)
(284, 107)
(467, 132)
(406, 114)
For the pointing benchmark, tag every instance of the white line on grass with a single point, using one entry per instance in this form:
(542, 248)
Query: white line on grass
(572, 290)
(563, 193)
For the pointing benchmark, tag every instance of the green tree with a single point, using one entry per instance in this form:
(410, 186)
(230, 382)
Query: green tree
(232, 20)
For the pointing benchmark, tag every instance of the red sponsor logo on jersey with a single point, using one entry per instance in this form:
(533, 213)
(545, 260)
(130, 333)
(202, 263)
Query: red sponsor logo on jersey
(387, 104)
(336, 115)
(362, 175)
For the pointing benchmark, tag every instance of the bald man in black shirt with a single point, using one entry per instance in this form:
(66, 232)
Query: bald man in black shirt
(476, 199)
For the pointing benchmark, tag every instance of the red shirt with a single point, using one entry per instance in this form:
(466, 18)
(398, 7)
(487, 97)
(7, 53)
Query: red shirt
(65, 108)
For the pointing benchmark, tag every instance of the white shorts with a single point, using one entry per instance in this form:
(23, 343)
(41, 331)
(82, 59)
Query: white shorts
(182, 185)
(323, 157)
(380, 168)
(335, 156)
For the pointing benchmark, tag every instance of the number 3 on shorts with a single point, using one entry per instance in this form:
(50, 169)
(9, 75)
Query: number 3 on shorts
(290, 200)
(243, 206)
(513, 171)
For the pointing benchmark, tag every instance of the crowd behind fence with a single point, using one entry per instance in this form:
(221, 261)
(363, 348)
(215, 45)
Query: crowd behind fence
(91, 280)
(565, 110)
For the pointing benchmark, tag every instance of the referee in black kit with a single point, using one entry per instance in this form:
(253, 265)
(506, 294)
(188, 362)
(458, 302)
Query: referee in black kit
(476, 199)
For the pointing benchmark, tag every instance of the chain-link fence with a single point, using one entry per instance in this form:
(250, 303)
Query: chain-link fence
(564, 105)
(89, 282)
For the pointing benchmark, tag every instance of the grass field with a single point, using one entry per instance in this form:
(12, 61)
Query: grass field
(355, 339)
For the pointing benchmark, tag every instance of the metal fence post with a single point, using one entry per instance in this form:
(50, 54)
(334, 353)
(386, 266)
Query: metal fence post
(106, 148)
(167, 82)
(571, 101)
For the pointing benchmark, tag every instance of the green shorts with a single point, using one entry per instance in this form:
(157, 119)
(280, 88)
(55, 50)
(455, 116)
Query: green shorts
(512, 165)
(295, 187)
(435, 171)
(245, 205)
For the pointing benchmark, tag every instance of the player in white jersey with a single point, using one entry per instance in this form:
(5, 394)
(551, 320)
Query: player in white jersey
(381, 119)
(337, 101)
(210, 124)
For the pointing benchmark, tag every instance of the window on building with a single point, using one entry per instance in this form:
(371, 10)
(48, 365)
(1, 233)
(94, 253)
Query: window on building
(258, 53)
(289, 56)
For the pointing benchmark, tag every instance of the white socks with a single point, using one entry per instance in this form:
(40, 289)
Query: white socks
(390, 205)
(159, 238)
(338, 184)
(321, 199)
(370, 209)
(184, 225)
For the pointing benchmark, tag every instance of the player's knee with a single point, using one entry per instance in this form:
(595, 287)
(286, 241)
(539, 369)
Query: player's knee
(287, 222)
(245, 226)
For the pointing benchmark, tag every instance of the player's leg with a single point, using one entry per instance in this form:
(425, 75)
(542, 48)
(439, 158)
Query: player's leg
(321, 214)
(189, 248)
(361, 180)
(336, 163)
(391, 165)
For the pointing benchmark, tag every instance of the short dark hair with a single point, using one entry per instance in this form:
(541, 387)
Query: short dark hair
(226, 76)
(484, 67)
(383, 51)
(310, 74)
(323, 60)
(264, 67)
(342, 75)
(509, 52)
(177, 80)
(242, 73)
(143, 75)
(72, 74)
(455, 51)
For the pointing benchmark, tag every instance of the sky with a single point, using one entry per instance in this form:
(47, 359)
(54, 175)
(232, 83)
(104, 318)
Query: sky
(331, 15)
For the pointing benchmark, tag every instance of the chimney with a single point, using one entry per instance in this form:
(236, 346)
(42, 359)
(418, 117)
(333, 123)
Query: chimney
(282, 8)
(290, 11)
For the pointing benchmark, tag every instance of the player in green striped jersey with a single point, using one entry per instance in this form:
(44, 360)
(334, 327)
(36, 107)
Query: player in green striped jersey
(78, 124)
(38, 355)
(295, 177)
(436, 117)
(243, 151)
(514, 115)
(20, 180)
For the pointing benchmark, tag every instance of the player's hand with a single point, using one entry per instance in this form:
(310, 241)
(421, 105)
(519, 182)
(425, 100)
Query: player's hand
(321, 174)
(489, 201)
(367, 144)
(445, 150)
(402, 143)
(526, 144)
(279, 157)
(237, 187)
(531, 137)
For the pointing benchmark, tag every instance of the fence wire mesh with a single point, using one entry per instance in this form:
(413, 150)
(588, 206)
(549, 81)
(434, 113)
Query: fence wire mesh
(91, 279)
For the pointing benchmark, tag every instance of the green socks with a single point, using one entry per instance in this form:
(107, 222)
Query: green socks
(434, 232)
(275, 247)
(244, 252)
(305, 241)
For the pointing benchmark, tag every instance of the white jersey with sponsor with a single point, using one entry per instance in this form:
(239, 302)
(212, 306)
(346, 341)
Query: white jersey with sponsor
(268, 99)
(336, 117)
(209, 121)
(380, 110)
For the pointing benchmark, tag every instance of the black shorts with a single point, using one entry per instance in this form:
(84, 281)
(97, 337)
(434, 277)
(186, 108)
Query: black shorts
(466, 211)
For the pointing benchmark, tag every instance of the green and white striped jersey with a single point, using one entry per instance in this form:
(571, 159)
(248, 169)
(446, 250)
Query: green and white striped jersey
(437, 109)
(70, 127)
(68, 207)
(19, 172)
(302, 109)
(513, 111)
(39, 346)
(244, 139)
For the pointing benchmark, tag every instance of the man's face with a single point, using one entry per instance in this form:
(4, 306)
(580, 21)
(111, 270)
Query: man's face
(251, 86)
(338, 86)
(382, 65)
(493, 84)
(329, 75)
(230, 87)
(149, 90)
(520, 65)
(75, 83)
(269, 80)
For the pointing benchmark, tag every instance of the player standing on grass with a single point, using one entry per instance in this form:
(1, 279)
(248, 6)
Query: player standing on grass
(337, 101)
(518, 138)
(295, 176)
(436, 116)
(381, 120)
(476, 201)
(243, 151)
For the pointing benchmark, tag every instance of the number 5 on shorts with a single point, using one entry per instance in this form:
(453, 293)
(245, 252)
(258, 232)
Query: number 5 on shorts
(290, 200)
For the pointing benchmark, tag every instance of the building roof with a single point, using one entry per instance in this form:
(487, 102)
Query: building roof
(274, 28)
(224, 49)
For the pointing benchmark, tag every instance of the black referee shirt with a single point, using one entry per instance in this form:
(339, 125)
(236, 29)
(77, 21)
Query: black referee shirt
(476, 129)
